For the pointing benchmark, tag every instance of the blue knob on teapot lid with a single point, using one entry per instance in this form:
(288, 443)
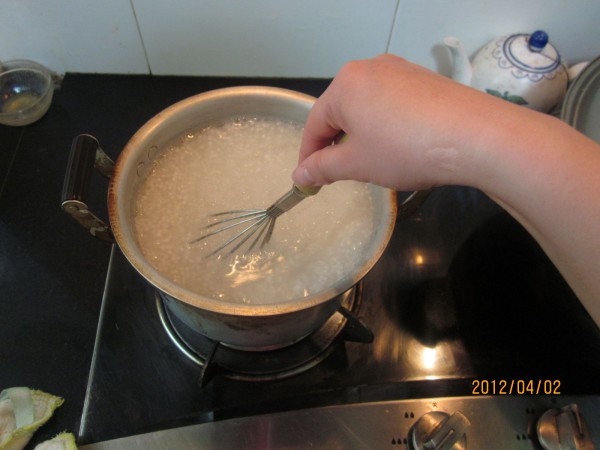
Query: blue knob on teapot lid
(538, 40)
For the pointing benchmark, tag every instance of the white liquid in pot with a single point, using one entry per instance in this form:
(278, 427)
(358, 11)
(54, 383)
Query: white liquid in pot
(247, 163)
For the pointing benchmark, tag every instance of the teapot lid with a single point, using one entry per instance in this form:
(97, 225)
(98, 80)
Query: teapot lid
(530, 53)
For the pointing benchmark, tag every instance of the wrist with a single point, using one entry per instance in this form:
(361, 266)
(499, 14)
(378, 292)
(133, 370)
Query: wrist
(509, 146)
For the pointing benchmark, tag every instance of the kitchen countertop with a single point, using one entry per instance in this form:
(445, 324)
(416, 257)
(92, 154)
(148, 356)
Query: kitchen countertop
(52, 272)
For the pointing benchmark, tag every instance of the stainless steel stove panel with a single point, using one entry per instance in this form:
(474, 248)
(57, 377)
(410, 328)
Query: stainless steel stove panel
(492, 423)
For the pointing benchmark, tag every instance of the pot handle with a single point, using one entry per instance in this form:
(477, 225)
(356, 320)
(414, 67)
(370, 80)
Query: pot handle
(85, 155)
(413, 202)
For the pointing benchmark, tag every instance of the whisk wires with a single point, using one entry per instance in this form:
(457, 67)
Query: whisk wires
(255, 225)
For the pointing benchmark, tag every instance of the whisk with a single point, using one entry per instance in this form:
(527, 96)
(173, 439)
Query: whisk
(256, 224)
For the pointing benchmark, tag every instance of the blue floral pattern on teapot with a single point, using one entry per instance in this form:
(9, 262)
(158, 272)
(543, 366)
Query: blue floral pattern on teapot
(521, 68)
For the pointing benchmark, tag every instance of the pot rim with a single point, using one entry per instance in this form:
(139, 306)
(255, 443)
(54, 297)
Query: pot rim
(124, 233)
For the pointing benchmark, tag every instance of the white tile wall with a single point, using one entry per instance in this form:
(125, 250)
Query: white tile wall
(72, 35)
(281, 38)
(309, 38)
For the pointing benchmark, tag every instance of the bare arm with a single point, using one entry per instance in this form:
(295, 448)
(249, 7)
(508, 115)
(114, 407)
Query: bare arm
(409, 128)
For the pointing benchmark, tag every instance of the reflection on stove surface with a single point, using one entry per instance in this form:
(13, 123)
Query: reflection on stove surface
(461, 292)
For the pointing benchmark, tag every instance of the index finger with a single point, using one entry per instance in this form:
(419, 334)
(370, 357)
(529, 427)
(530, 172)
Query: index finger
(321, 127)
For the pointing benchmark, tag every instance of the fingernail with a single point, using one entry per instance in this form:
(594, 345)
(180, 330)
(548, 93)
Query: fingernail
(302, 177)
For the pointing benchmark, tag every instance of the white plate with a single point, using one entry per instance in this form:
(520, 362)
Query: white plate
(581, 108)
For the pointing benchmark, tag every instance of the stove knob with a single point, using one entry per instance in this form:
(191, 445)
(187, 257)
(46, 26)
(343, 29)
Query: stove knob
(438, 430)
(564, 429)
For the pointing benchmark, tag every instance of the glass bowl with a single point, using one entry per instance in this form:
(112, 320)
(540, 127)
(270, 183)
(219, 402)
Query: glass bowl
(26, 92)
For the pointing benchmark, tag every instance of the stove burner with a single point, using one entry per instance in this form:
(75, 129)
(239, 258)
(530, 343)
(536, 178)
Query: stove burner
(216, 358)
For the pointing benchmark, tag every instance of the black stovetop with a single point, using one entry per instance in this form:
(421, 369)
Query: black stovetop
(461, 293)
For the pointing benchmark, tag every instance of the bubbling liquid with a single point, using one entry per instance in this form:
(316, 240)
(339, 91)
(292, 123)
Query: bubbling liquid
(246, 163)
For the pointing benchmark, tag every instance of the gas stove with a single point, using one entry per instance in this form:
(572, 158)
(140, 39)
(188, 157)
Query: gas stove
(463, 327)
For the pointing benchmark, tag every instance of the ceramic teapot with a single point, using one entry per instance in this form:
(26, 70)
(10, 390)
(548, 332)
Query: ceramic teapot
(524, 69)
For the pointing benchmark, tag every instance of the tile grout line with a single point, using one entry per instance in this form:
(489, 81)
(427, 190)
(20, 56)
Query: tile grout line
(139, 30)
(393, 27)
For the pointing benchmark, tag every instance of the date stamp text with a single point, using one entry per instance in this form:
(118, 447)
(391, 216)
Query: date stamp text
(515, 387)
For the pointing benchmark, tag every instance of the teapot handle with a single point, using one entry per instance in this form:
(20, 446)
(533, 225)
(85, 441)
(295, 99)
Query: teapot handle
(576, 69)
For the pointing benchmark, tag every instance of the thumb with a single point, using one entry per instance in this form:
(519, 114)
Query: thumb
(325, 166)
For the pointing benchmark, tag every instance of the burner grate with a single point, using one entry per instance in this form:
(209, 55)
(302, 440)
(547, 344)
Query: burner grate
(215, 358)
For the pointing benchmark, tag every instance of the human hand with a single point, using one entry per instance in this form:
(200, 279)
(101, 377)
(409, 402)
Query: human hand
(407, 127)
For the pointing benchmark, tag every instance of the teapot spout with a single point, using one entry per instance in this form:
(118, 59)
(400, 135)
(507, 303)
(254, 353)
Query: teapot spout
(461, 67)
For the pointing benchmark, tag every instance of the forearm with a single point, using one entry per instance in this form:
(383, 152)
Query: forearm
(408, 128)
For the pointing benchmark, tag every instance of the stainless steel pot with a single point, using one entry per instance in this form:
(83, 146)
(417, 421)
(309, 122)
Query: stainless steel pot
(252, 327)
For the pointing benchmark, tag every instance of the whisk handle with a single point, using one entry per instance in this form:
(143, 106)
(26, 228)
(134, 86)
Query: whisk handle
(290, 199)
(307, 191)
